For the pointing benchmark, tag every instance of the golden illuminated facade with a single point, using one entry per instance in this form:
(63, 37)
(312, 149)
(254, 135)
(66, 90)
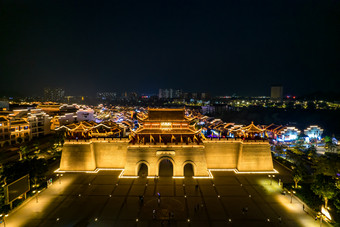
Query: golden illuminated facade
(166, 135)
(4, 131)
(166, 126)
(88, 130)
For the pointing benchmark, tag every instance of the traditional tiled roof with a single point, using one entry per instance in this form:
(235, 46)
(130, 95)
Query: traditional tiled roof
(166, 122)
(173, 131)
(85, 126)
(252, 128)
(166, 115)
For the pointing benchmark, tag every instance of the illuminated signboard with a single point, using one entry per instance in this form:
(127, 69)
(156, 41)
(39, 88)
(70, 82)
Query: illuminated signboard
(17, 188)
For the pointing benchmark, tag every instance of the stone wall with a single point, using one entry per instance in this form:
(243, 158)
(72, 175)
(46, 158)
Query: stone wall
(255, 157)
(110, 155)
(214, 154)
(222, 155)
(78, 157)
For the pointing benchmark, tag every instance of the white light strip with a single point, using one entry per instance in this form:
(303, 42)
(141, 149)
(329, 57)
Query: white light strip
(254, 172)
(121, 175)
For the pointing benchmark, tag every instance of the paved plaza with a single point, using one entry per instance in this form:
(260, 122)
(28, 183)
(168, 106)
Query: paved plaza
(102, 199)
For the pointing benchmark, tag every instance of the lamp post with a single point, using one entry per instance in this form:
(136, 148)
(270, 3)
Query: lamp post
(271, 178)
(291, 195)
(37, 198)
(3, 218)
(59, 175)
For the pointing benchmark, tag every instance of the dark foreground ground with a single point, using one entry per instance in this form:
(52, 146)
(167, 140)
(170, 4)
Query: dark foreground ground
(103, 199)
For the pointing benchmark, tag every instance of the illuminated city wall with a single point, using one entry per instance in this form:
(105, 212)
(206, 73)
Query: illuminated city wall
(110, 155)
(222, 154)
(78, 157)
(255, 157)
(218, 154)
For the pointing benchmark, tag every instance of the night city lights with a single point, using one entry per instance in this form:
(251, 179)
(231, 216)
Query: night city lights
(170, 113)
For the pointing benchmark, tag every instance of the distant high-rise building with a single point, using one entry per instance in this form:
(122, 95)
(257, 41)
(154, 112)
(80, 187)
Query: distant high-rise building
(54, 94)
(178, 94)
(204, 96)
(166, 93)
(106, 96)
(276, 92)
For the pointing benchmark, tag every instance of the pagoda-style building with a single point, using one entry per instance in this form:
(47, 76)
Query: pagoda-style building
(250, 132)
(166, 126)
(253, 132)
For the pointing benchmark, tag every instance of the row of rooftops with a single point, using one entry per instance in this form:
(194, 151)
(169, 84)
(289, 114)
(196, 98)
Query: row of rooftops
(160, 121)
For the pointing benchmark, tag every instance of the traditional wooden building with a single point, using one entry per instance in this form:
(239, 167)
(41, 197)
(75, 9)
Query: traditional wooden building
(86, 130)
(166, 126)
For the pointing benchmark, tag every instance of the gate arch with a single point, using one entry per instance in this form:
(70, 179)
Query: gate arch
(166, 158)
(193, 165)
(140, 164)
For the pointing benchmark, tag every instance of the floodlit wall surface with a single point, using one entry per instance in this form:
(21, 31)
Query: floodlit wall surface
(110, 155)
(77, 157)
(245, 156)
(222, 155)
(179, 156)
(255, 157)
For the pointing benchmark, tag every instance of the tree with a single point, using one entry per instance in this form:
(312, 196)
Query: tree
(23, 151)
(328, 165)
(311, 152)
(324, 186)
(330, 145)
(297, 176)
(280, 149)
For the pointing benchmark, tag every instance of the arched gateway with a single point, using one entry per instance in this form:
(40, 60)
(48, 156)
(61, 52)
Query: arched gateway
(188, 170)
(143, 170)
(165, 168)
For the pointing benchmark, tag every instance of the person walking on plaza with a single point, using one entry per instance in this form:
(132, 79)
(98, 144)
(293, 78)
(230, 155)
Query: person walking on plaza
(153, 214)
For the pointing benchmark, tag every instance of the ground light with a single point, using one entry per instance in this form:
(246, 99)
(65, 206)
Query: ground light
(271, 178)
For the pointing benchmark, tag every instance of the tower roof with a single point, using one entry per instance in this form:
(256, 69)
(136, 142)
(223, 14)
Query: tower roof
(166, 115)
(252, 128)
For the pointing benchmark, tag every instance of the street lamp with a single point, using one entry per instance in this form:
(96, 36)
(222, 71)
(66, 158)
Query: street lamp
(271, 178)
(59, 175)
(3, 218)
(37, 199)
(291, 195)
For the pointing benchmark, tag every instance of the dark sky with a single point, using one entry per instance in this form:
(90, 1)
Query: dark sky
(224, 47)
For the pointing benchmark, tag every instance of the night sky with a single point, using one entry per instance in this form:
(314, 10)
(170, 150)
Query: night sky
(240, 47)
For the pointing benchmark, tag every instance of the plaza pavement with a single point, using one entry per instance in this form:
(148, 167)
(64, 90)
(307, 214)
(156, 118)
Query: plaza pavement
(102, 199)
